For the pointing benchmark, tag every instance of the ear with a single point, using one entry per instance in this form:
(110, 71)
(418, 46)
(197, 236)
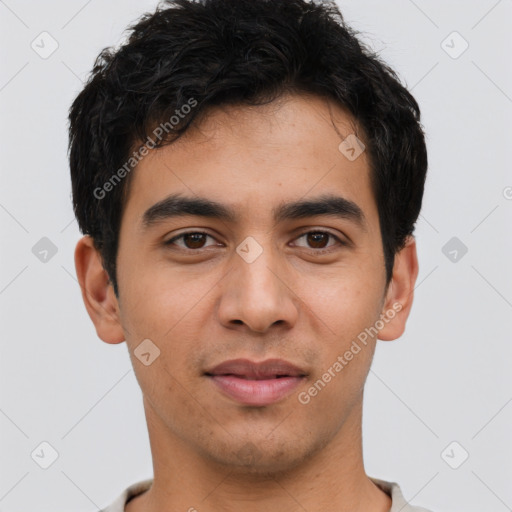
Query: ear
(400, 292)
(97, 292)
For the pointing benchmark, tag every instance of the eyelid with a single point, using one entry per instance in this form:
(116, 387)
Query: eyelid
(185, 233)
(305, 231)
(340, 240)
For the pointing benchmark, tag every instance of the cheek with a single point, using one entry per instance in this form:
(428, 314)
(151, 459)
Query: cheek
(346, 350)
(346, 300)
(170, 310)
(157, 297)
(347, 306)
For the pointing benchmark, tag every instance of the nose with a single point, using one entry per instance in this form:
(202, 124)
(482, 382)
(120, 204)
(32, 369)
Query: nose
(256, 294)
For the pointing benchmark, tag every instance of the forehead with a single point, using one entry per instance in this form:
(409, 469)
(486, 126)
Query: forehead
(252, 157)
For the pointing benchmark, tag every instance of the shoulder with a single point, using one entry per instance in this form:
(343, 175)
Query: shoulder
(399, 503)
(130, 492)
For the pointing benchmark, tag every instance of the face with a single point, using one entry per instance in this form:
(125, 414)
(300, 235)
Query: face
(264, 281)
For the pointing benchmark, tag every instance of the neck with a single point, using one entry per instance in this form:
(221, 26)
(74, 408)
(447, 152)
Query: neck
(333, 479)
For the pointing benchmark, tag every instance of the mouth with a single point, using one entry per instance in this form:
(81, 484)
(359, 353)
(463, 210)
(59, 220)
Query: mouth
(256, 383)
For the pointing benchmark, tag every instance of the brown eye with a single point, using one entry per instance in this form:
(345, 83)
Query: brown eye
(194, 240)
(191, 240)
(318, 239)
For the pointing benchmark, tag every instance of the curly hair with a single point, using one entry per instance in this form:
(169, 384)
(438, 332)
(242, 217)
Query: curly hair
(242, 52)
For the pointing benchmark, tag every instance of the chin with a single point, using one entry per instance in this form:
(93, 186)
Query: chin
(267, 458)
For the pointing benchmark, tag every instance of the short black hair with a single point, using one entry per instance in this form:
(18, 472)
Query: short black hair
(208, 53)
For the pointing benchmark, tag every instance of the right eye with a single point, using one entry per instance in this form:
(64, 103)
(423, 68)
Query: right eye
(193, 240)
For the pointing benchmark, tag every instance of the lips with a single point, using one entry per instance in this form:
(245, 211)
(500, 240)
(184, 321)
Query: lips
(256, 383)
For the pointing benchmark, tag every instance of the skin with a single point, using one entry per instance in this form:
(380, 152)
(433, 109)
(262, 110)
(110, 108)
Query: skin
(206, 307)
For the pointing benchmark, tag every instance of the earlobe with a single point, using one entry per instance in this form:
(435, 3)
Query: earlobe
(97, 292)
(400, 293)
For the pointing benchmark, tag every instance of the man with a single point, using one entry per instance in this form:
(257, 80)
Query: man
(247, 176)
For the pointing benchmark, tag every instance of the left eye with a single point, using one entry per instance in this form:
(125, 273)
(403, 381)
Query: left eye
(194, 240)
(317, 238)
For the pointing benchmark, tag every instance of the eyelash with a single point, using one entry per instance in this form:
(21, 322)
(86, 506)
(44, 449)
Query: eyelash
(315, 231)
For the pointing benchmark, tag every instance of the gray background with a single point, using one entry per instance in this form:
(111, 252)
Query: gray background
(447, 379)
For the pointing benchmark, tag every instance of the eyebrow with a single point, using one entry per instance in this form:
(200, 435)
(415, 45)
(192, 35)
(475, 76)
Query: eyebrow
(329, 205)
